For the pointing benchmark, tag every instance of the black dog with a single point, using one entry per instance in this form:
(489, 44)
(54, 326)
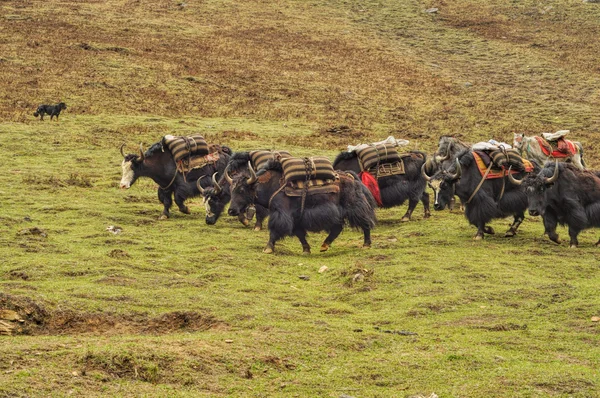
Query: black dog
(52, 110)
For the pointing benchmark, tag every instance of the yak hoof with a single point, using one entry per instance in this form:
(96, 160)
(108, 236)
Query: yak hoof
(268, 250)
(244, 221)
(306, 252)
(556, 240)
(324, 247)
(366, 246)
(185, 210)
(478, 237)
(405, 219)
(509, 234)
(573, 246)
(163, 217)
(489, 230)
(427, 215)
(257, 228)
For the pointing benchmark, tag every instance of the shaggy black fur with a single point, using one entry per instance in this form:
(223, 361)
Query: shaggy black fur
(572, 200)
(395, 190)
(324, 212)
(484, 206)
(159, 165)
(52, 110)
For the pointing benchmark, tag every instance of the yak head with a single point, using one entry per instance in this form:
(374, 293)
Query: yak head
(535, 187)
(215, 199)
(243, 191)
(131, 163)
(518, 141)
(442, 184)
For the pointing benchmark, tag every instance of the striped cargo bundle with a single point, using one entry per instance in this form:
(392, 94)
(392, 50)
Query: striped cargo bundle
(181, 147)
(373, 154)
(260, 157)
(511, 157)
(313, 168)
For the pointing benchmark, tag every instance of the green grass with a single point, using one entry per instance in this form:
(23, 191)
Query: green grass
(179, 308)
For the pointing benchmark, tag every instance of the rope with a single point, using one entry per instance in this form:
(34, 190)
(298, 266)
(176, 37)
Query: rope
(480, 182)
(283, 184)
(172, 181)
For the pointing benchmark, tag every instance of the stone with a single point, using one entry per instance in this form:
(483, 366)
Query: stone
(431, 10)
(323, 269)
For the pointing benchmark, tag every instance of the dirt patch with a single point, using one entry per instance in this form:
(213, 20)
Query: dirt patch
(32, 318)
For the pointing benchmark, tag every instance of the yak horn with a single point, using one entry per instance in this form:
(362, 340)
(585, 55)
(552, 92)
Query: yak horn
(423, 173)
(141, 152)
(554, 176)
(513, 179)
(199, 186)
(253, 176)
(458, 171)
(227, 178)
(121, 149)
(216, 184)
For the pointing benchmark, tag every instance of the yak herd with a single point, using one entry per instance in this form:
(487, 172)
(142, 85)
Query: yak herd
(491, 181)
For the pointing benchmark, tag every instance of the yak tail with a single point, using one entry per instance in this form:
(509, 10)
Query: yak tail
(358, 204)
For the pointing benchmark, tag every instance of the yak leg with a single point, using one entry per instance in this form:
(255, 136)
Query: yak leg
(333, 233)
(367, 239)
(512, 231)
(481, 230)
(550, 223)
(166, 199)
(489, 230)
(573, 232)
(425, 201)
(179, 201)
(412, 203)
(301, 235)
(261, 214)
(280, 225)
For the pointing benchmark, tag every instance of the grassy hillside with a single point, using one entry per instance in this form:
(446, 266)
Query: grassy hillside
(178, 308)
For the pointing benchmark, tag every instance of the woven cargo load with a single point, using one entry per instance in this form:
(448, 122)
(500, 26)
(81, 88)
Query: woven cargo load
(372, 155)
(261, 157)
(313, 168)
(181, 147)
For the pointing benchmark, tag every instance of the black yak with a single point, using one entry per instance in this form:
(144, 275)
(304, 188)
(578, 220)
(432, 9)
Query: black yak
(289, 216)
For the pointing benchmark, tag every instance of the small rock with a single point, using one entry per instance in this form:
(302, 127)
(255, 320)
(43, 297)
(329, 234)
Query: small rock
(346, 396)
(323, 269)
(304, 277)
(596, 319)
(357, 330)
(392, 239)
(27, 218)
(229, 341)
(75, 373)
(468, 84)
(358, 277)
(114, 229)
(33, 231)
(431, 10)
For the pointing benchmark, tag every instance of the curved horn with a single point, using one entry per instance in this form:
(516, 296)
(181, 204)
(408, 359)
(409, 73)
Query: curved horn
(121, 149)
(253, 176)
(200, 186)
(141, 152)
(458, 171)
(423, 173)
(554, 176)
(513, 179)
(227, 178)
(216, 184)
(439, 158)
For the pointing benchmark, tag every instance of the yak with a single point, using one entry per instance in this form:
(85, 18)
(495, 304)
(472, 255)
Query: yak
(291, 216)
(217, 196)
(563, 193)
(158, 164)
(395, 189)
(484, 199)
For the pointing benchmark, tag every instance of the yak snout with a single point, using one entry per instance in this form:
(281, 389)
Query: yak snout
(233, 212)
